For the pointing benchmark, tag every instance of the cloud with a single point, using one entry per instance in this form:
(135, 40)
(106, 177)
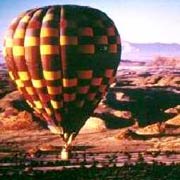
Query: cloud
(128, 48)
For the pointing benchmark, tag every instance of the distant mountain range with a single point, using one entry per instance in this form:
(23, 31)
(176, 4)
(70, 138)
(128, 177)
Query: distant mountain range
(144, 51)
(147, 51)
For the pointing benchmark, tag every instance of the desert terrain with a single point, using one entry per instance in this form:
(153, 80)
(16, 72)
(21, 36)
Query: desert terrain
(137, 121)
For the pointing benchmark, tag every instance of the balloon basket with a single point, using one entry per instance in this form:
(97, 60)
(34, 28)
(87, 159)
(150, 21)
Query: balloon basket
(65, 154)
(66, 150)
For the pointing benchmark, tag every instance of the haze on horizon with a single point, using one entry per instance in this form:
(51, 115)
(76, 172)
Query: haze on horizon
(137, 20)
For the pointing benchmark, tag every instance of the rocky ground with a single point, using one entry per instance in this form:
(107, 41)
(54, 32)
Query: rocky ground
(140, 114)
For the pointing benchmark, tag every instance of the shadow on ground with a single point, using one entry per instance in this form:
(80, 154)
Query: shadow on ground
(147, 105)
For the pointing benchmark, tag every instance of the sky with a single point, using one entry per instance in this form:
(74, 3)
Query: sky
(138, 21)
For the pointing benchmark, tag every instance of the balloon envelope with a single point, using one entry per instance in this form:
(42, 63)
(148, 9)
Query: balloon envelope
(62, 59)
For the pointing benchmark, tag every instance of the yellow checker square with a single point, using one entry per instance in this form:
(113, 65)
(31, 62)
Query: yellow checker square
(30, 90)
(37, 13)
(48, 111)
(18, 51)
(19, 83)
(4, 51)
(70, 82)
(56, 104)
(38, 104)
(8, 42)
(38, 83)
(49, 32)
(49, 49)
(48, 17)
(25, 19)
(11, 75)
(54, 90)
(68, 40)
(24, 75)
(52, 75)
(31, 41)
(19, 33)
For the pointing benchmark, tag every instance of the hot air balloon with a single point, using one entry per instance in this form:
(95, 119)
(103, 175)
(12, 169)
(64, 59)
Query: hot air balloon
(62, 59)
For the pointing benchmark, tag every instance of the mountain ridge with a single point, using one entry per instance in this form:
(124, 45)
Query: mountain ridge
(147, 51)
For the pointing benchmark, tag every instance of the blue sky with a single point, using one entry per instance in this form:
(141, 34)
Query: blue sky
(138, 21)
